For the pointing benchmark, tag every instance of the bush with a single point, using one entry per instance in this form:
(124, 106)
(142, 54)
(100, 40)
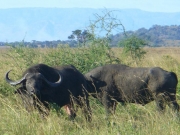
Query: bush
(133, 48)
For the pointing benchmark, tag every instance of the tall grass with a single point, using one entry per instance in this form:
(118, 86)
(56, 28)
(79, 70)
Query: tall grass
(129, 120)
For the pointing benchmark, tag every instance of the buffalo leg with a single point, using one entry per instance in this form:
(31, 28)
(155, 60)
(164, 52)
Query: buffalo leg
(175, 106)
(173, 103)
(160, 102)
(109, 104)
(86, 110)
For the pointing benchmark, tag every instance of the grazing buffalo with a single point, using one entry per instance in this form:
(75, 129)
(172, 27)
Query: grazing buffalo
(63, 85)
(120, 83)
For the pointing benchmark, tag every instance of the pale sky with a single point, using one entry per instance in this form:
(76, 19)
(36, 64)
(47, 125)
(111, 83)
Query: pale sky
(147, 5)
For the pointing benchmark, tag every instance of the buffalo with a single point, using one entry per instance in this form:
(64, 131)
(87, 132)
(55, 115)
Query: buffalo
(62, 85)
(115, 83)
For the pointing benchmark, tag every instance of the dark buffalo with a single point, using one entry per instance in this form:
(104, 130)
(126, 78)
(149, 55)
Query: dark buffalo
(63, 85)
(120, 83)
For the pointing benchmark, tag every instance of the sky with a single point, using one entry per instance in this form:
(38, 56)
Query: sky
(146, 5)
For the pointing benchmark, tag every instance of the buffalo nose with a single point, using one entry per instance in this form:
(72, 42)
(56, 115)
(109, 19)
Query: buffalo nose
(31, 92)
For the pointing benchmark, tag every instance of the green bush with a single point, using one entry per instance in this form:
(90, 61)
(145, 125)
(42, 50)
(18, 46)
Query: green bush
(133, 48)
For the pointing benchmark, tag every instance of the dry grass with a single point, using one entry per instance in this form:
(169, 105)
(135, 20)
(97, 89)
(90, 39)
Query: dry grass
(130, 120)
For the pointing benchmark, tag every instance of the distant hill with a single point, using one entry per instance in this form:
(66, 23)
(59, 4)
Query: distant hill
(156, 35)
(47, 24)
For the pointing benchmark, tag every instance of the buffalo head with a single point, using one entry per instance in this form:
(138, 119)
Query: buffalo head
(34, 83)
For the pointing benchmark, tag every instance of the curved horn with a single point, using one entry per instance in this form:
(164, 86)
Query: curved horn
(53, 84)
(14, 82)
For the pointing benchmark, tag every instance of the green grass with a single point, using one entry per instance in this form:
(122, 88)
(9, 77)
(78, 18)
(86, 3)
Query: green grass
(131, 119)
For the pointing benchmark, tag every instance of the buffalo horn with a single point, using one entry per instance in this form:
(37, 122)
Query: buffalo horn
(53, 84)
(14, 82)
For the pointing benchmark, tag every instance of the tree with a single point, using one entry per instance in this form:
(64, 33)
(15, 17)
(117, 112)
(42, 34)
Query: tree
(81, 36)
(133, 47)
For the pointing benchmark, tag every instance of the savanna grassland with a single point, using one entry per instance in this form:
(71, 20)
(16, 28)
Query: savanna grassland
(129, 120)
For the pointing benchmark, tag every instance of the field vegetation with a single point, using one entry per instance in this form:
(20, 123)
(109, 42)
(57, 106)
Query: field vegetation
(130, 119)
